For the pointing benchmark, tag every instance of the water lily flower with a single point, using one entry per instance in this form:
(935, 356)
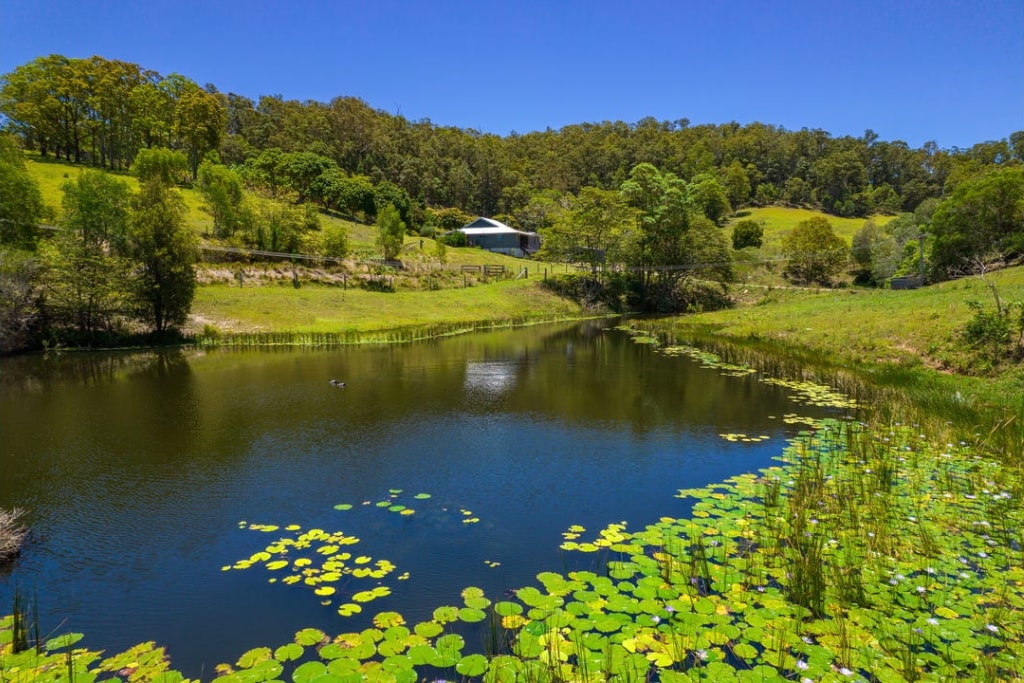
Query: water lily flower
(802, 665)
(992, 628)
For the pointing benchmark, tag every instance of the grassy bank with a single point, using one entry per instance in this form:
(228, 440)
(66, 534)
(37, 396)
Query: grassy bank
(234, 312)
(896, 338)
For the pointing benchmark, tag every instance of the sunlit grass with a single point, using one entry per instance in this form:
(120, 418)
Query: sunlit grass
(778, 221)
(322, 309)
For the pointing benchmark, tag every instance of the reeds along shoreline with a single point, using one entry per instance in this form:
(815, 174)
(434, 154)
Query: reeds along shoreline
(12, 534)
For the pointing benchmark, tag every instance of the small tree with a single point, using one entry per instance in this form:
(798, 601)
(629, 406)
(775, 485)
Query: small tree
(816, 254)
(747, 233)
(165, 251)
(222, 190)
(390, 231)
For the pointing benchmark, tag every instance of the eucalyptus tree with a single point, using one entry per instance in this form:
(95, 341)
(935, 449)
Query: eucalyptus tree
(199, 121)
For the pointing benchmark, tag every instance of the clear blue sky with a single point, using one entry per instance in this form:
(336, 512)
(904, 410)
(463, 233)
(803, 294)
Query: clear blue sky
(951, 71)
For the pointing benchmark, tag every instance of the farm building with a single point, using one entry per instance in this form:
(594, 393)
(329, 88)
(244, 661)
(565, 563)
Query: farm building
(493, 235)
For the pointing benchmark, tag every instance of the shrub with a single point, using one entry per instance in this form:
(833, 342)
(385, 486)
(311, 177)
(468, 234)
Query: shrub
(455, 238)
(747, 233)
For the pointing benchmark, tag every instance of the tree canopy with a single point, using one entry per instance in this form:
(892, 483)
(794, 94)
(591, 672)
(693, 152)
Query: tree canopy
(103, 112)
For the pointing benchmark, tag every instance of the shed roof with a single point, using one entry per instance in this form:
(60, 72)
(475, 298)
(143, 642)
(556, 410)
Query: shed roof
(487, 226)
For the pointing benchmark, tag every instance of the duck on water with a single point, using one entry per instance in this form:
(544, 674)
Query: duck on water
(336, 383)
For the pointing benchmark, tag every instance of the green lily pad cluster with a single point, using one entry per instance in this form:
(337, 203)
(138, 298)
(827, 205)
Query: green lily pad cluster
(813, 394)
(57, 659)
(391, 503)
(709, 360)
(319, 560)
(743, 438)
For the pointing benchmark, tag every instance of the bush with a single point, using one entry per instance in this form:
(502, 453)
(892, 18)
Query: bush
(455, 238)
(747, 233)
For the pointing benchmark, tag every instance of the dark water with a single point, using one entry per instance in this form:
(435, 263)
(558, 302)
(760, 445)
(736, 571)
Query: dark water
(137, 469)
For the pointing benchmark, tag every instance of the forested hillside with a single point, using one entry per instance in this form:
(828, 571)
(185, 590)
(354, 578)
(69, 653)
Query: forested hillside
(103, 111)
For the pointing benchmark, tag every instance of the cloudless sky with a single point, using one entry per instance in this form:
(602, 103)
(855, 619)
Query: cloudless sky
(951, 71)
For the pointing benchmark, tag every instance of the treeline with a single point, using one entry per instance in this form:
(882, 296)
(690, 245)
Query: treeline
(103, 112)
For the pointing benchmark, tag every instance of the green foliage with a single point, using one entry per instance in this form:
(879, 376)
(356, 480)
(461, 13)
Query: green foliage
(390, 232)
(591, 232)
(815, 254)
(982, 216)
(162, 165)
(448, 218)
(301, 171)
(165, 255)
(199, 121)
(21, 204)
(709, 197)
(221, 189)
(669, 242)
(388, 194)
(747, 233)
(455, 238)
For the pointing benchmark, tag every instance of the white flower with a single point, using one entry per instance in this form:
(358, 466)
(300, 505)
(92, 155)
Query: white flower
(802, 665)
(933, 621)
(844, 671)
(921, 589)
(992, 628)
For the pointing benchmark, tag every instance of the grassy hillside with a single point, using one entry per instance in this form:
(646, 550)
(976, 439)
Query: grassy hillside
(51, 176)
(779, 220)
(875, 328)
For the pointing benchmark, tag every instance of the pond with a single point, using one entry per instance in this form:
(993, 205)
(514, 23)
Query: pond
(457, 462)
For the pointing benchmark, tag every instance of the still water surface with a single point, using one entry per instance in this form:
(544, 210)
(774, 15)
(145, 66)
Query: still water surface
(138, 468)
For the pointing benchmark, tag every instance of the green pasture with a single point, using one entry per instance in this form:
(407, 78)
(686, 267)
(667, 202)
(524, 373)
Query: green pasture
(778, 221)
(336, 310)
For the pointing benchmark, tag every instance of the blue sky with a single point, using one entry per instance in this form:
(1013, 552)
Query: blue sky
(914, 70)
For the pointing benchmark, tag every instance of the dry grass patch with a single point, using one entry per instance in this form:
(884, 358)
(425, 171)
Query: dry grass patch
(12, 534)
